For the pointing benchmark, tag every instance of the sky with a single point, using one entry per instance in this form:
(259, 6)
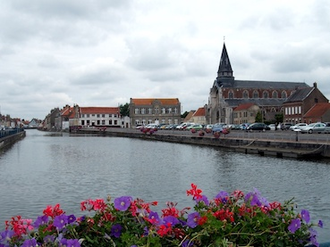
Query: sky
(104, 52)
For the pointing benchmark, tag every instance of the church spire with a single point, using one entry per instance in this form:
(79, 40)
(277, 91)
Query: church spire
(225, 70)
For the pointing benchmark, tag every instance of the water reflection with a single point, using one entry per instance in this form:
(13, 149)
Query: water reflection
(46, 169)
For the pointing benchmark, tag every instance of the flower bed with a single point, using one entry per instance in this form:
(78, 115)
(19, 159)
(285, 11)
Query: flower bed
(234, 219)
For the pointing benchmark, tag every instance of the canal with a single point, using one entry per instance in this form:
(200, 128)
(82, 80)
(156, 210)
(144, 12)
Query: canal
(46, 168)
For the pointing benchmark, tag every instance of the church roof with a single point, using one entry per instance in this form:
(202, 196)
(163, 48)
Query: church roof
(257, 101)
(264, 84)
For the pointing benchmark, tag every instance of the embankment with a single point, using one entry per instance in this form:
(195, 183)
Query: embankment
(262, 147)
(11, 139)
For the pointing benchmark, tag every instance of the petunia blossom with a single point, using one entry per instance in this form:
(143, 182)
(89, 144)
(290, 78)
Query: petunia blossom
(116, 230)
(294, 225)
(305, 215)
(122, 203)
(192, 220)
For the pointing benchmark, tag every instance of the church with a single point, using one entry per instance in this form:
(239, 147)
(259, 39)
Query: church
(227, 94)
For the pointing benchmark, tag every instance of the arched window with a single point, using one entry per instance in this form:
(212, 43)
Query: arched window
(273, 109)
(275, 94)
(245, 94)
(230, 94)
(265, 95)
(284, 95)
(255, 94)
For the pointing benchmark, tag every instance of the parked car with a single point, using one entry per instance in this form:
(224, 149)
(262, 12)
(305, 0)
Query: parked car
(298, 126)
(313, 128)
(244, 126)
(327, 128)
(217, 128)
(195, 126)
(257, 126)
(272, 126)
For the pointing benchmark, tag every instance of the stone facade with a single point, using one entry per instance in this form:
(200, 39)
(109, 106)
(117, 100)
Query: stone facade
(155, 110)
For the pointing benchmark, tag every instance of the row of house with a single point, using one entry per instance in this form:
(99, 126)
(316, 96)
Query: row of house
(230, 101)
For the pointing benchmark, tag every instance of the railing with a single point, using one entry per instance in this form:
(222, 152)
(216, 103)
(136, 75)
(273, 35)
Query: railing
(9, 132)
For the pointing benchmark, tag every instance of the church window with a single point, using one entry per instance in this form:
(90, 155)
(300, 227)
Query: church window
(284, 95)
(265, 95)
(275, 94)
(231, 94)
(245, 94)
(255, 94)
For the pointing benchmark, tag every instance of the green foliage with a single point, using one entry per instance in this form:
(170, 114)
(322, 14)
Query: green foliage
(124, 109)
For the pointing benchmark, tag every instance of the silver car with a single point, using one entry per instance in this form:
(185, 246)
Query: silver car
(313, 128)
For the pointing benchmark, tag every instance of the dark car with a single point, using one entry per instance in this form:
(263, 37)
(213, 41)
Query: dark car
(258, 126)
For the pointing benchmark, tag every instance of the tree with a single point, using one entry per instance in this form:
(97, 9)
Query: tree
(258, 117)
(184, 114)
(124, 109)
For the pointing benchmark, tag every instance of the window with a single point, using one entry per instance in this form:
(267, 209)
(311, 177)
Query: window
(175, 110)
(103, 115)
(265, 95)
(115, 122)
(255, 94)
(156, 110)
(299, 110)
(87, 115)
(103, 122)
(150, 110)
(245, 94)
(136, 110)
(275, 94)
(163, 110)
(230, 94)
(143, 111)
(284, 94)
(88, 122)
(169, 110)
(110, 122)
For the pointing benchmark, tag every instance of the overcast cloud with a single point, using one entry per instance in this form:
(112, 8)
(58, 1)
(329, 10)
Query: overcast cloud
(104, 52)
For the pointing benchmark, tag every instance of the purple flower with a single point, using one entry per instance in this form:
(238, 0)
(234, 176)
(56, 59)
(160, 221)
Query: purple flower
(171, 219)
(6, 235)
(116, 230)
(71, 219)
(122, 203)
(41, 220)
(320, 224)
(313, 235)
(70, 242)
(29, 243)
(60, 221)
(154, 218)
(305, 215)
(192, 220)
(187, 243)
(203, 199)
(294, 225)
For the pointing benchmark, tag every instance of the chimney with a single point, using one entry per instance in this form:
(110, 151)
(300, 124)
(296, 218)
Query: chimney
(315, 84)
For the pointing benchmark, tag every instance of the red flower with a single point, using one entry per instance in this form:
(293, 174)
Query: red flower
(195, 192)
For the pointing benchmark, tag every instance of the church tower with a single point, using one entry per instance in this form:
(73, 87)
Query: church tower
(225, 72)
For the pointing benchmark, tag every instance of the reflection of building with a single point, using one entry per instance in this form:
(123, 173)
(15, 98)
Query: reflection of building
(301, 102)
(155, 110)
(228, 93)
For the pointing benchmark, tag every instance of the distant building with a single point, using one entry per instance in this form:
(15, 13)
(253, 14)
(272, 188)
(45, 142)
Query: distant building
(300, 102)
(188, 118)
(155, 110)
(227, 93)
(245, 113)
(320, 112)
(198, 116)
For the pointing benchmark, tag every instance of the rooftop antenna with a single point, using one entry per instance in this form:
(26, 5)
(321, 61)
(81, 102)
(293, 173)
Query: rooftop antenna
(224, 38)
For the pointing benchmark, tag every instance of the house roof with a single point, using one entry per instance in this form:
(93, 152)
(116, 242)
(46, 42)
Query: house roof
(189, 115)
(243, 107)
(150, 101)
(200, 112)
(318, 110)
(67, 112)
(99, 110)
(300, 94)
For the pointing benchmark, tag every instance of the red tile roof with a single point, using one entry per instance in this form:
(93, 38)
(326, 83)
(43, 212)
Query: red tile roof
(67, 112)
(149, 101)
(200, 112)
(99, 110)
(318, 110)
(243, 107)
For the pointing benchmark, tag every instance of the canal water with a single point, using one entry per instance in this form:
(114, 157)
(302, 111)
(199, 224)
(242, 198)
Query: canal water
(46, 169)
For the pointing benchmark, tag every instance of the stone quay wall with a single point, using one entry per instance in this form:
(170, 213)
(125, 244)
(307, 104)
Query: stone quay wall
(11, 139)
(280, 149)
